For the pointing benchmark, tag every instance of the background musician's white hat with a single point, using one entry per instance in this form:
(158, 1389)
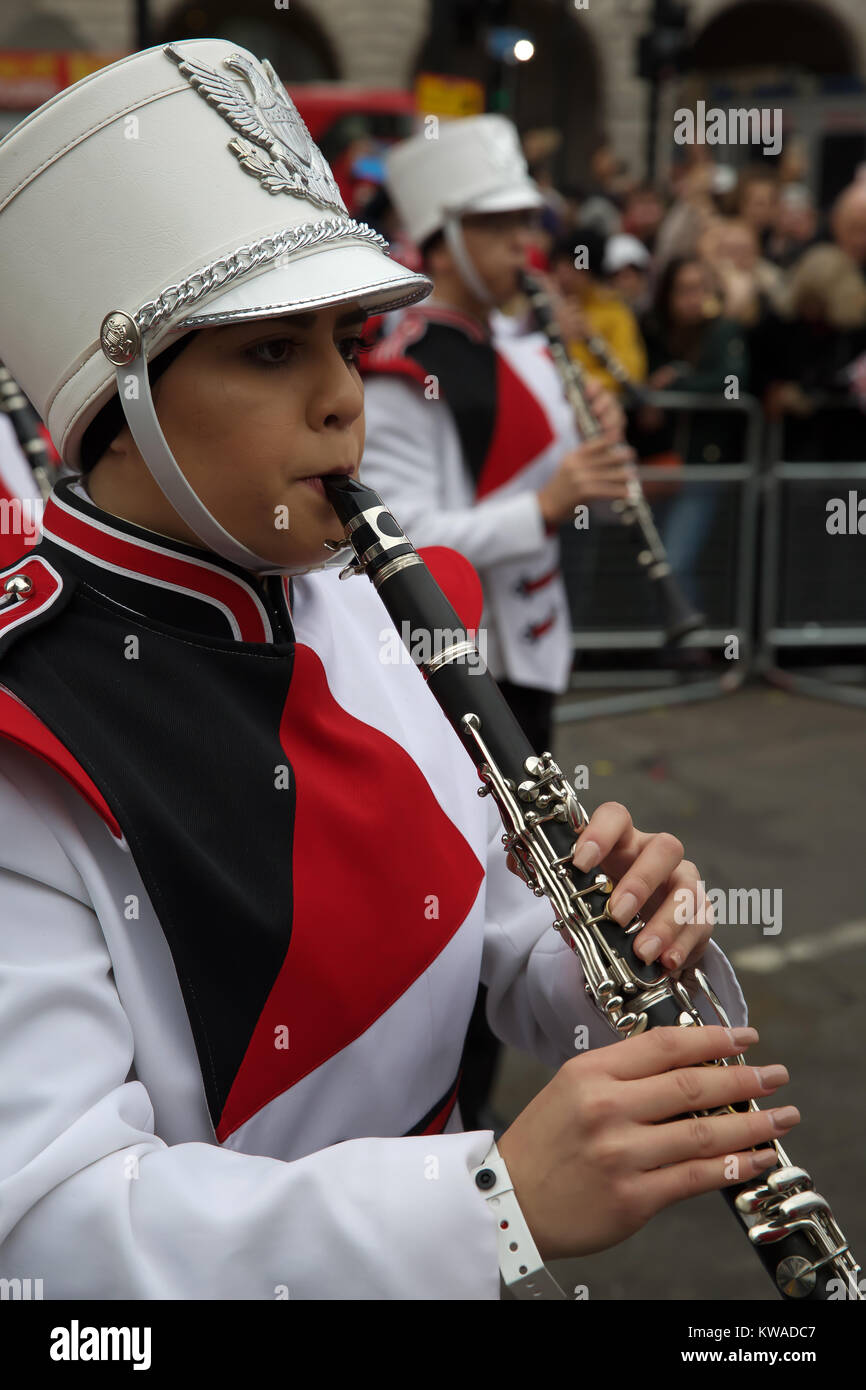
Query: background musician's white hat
(624, 250)
(176, 189)
(473, 165)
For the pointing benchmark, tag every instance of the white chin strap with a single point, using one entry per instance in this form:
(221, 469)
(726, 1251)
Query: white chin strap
(468, 274)
(140, 412)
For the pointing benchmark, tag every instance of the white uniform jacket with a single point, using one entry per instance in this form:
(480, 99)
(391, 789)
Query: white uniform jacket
(247, 891)
(463, 427)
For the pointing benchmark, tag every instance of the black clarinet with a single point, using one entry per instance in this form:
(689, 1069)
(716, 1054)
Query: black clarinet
(679, 618)
(788, 1223)
(26, 423)
(632, 394)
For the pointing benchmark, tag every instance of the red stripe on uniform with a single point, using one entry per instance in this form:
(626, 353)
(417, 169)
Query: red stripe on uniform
(529, 586)
(144, 562)
(540, 628)
(441, 1118)
(21, 725)
(522, 430)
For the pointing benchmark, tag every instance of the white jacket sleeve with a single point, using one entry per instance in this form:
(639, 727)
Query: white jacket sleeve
(536, 999)
(97, 1205)
(413, 458)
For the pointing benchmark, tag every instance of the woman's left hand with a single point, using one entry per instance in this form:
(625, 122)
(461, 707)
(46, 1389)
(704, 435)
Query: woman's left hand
(653, 879)
(606, 408)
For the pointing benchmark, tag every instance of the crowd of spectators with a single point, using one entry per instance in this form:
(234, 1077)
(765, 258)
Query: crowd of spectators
(711, 283)
(714, 284)
(711, 275)
(703, 275)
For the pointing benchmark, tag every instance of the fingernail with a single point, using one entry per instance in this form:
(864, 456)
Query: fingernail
(770, 1077)
(742, 1037)
(648, 950)
(586, 856)
(625, 910)
(763, 1160)
(674, 959)
(784, 1118)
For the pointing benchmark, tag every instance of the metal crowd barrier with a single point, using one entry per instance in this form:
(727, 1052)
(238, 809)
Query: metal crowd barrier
(613, 605)
(813, 602)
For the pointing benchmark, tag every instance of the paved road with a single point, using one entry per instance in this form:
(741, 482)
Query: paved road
(766, 790)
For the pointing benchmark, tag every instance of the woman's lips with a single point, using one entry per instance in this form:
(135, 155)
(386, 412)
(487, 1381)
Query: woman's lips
(317, 484)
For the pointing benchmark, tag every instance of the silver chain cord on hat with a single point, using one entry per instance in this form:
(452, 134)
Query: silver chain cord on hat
(217, 273)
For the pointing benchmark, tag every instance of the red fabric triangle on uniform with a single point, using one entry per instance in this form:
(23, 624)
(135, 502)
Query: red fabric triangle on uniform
(382, 880)
(21, 725)
(522, 430)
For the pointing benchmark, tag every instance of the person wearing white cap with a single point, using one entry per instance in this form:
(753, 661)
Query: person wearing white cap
(469, 436)
(230, 1021)
(626, 267)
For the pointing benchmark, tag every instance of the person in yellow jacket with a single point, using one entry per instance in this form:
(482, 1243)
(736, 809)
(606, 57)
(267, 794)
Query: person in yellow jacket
(591, 310)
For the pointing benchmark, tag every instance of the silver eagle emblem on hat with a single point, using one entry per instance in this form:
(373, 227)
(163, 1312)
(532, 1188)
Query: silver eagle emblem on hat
(278, 150)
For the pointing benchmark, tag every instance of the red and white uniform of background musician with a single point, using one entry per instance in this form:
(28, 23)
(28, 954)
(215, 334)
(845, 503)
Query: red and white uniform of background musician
(415, 458)
(337, 1168)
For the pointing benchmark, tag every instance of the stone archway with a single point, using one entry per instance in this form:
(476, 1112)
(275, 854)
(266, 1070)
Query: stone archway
(780, 34)
(559, 87)
(42, 30)
(562, 85)
(805, 57)
(291, 38)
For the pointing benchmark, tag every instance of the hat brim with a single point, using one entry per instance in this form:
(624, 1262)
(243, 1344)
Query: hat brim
(624, 263)
(515, 198)
(348, 274)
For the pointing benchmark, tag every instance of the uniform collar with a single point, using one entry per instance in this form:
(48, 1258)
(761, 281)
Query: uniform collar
(167, 580)
(438, 312)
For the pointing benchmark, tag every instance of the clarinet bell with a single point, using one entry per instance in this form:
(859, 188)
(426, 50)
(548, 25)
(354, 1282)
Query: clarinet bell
(678, 616)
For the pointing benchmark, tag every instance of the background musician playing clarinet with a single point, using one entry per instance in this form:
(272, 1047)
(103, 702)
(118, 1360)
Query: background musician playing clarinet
(470, 439)
(230, 1021)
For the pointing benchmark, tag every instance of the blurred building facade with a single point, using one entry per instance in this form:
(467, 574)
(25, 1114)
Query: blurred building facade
(810, 55)
(369, 41)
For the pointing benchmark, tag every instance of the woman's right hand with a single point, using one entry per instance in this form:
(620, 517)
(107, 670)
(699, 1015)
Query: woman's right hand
(594, 471)
(605, 1146)
(662, 377)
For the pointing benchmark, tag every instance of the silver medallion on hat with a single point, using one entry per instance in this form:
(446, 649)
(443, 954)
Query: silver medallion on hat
(276, 147)
(120, 338)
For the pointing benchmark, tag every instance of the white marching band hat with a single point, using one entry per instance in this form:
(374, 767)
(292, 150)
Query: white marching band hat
(175, 189)
(471, 165)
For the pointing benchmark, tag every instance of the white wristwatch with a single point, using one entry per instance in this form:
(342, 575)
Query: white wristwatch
(522, 1268)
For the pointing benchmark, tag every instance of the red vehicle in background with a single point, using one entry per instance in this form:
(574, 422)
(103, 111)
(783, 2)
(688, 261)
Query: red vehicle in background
(353, 126)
